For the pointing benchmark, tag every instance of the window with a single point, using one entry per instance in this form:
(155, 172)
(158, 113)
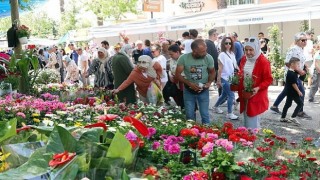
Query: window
(239, 2)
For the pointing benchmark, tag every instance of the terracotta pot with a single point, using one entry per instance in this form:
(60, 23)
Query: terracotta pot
(246, 95)
(234, 87)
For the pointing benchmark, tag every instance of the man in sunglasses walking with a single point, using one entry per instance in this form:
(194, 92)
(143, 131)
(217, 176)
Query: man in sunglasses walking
(297, 52)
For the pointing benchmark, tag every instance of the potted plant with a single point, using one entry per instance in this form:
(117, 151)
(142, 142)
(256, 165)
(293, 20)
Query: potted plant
(23, 33)
(248, 87)
(234, 82)
(5, 88)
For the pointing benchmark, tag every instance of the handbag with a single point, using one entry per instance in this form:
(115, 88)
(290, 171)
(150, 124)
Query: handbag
(170, 89)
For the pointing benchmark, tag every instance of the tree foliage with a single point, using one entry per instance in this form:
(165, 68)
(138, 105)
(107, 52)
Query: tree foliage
(115, 9)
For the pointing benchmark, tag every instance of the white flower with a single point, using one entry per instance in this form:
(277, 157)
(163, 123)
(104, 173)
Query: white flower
(47, 122)
(112, 129)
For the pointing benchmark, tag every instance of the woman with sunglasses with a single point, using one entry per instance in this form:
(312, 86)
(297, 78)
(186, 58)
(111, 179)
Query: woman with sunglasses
(227, 64)
(157, 57)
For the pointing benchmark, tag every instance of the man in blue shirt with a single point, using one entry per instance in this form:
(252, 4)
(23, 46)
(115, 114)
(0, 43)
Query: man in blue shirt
(238, 50)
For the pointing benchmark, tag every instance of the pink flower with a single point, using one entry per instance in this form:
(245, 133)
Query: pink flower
(131, 136)
(174, 149)
(152, 131)
(21, 114)
(208, 147)
(155, 145)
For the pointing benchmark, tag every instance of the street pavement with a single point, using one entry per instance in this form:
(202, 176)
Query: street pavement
(269, 120)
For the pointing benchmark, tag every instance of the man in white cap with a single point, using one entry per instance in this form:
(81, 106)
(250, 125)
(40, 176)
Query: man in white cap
(255, 66)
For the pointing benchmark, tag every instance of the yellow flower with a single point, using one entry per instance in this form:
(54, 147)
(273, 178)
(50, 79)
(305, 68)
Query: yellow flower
(78, 124)
(3, 165)
(267, 131)
(36, 120)
(35, 115)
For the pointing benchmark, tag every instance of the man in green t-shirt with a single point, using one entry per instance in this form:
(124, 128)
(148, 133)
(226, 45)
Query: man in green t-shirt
(199, 73)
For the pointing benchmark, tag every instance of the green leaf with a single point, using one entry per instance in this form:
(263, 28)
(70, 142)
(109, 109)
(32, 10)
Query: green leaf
(124, 175)
(8, 129)
(61, 140)
(36, 166)
(120, 147)
(91, 135)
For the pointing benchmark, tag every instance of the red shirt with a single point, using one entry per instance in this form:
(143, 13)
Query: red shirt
(262, 78)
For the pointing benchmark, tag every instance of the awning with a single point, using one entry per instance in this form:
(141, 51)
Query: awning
(5, 9)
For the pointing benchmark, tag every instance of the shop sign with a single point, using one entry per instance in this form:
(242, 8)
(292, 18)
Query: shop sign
(192, 5)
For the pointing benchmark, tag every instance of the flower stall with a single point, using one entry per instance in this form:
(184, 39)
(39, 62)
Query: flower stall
(93, 136)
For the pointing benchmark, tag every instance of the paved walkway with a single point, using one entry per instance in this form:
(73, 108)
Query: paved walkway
(308, 128)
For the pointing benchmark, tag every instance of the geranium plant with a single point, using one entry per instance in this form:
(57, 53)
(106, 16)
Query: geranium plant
(23, 31)
(234, 79)
(248, 83)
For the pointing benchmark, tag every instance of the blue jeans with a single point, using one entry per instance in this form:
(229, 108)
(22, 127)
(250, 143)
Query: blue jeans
(301, 88)
(203, 102)
(283, 94)
(226, 93)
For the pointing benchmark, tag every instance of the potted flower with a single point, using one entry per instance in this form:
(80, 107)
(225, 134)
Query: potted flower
(23, 33)
(234, 82)
(248, 87)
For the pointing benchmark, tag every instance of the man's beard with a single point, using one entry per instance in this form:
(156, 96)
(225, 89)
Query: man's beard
(197, 56)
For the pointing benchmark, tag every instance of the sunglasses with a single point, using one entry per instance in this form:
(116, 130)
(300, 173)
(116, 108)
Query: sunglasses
(153, 51)
(303, 40)
(227, 43)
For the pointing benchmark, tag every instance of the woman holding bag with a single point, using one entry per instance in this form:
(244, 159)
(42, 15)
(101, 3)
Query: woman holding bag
(227, 64)
(146, 76)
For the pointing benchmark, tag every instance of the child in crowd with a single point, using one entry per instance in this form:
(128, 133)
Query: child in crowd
(293, 93)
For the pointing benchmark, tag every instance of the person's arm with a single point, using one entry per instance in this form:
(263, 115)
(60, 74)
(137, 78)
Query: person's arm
(125, 83)
(219, 73)
(157, 66)
(316, 65)
(295, 87)
(212, 75)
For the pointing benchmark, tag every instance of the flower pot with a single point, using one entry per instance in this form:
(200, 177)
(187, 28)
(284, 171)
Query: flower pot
(274, 82)
(23, 40)
(280, 82)
(234, 87)
(246, 95)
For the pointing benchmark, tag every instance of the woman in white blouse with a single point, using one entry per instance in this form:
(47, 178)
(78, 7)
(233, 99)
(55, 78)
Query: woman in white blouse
(227, 64)
(156, 52)
(72, 70)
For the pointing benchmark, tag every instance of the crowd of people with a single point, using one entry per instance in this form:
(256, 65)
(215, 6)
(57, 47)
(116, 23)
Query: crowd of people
(186, 69)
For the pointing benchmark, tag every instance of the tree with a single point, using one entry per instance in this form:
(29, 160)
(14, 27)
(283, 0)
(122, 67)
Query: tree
(111, 8)
(221, 4)
(40, 24)
(61, 2)
(68, 18)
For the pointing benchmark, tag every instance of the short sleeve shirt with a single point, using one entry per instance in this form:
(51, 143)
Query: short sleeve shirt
(196, 70)
(228, 60)
(290, 80)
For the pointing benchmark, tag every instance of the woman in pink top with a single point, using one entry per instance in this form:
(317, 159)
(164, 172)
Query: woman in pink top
(143, 75)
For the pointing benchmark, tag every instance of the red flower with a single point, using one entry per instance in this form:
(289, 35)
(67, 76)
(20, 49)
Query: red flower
(103, 125)
(234, 138)
(152, 171)
(142, 128)
(311, 159)
(272, 178)
(240, 163)
(187, 132)
(308, 139)
(308, 152)
(61, 158)
(218, 176)
(107, 117)
(24, 128)
(245, 177)
(302, 155)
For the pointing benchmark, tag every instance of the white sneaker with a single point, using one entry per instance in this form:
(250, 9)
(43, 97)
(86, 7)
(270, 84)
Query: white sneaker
(295, 121)
(217, 110)
(232, 116)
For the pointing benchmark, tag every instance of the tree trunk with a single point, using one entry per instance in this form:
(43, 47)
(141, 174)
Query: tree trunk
(222, 4)
(62, 6)
(100, 21)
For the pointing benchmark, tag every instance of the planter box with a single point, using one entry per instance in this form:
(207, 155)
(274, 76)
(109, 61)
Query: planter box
(23, 40)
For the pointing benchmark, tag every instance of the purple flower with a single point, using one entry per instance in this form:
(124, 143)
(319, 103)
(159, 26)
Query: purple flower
(155, 145)
(131, 136)
(174, 149)
(21, 114)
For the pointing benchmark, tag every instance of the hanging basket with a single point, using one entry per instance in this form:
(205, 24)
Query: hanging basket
(23, 40)
(234, 87)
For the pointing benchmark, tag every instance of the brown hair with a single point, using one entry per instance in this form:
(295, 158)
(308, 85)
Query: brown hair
(293, 60)
(223, 47)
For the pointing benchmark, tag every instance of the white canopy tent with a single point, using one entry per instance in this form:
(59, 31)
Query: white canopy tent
(293, 10)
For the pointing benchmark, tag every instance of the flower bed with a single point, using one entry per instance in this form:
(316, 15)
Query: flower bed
(99, 138)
